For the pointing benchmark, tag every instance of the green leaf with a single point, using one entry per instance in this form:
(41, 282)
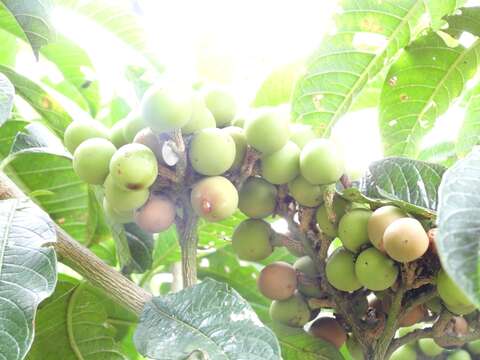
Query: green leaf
(438, 9)
(458, 224)
(419, 87)
(469, 133)
(51, 111)
(210, 317)
(32, 21)
(8, 55)
(342, 66)
(140, 245)
(465, 20)
(73, 324)
(27, 272)
(442, 153)
(7, 92)
(8, 132)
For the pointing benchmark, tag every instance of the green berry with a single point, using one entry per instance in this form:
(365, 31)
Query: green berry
(459, 355)
(91, 160)
(238, 136)
(117, 133)
(305, 193)
(267, 132)
(212, 152)
(339, 207)
(352, 229)
(133, 124)
(452, 295)
(79, 131)
(309, 286)
(374, 270)
(251, 240)
(340, 270)
(404, 353)
(292, 312)
(429, 347)
(257, 198)
(474, 347)
(301, 134)
(379, 221)
(355, 349)
(152, 141)
(222, 105)
(238, 122)
(124, 200)
(321, 162)
(434, 305)
(201, 117)
(281, 166)
(118, 217)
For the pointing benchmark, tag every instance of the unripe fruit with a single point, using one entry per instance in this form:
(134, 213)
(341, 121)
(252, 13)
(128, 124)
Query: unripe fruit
(352, 229)
(166, 108)
(117, 136)
(157, 215)
(405, 240)
(321, 162)
(434, 305)
(415, 315)
(429, 347)
(268, 132)
(379, 221)
(305, 193)
(214, 198)
(211, 152)
(124, 200)
(281, 166)
(451, 294)
(404, 353)
(201, 117)
(91, 160)
(291, 312)
(79, 131)
(238, 136)
(355, 349)
(238, 122)
(459, 355)
(330, 330)
(222, 105)
(308, 283)
(133, 125)
(118, 217)
(149, 139)
(375, 271)
(277, 281)
(340, 271)
(257, 198)
(251, 240)
(301, 134)
(460, 309)
(134, 167)
(474, 347)
(339, 207)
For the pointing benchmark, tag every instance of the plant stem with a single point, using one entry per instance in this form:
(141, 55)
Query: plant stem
(187, 233)
(86, 263)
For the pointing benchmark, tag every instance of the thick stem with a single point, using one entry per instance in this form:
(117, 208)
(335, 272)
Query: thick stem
(87, 264)
(187, 233)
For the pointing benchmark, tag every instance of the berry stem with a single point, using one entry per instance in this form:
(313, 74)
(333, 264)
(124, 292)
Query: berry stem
(187, 233)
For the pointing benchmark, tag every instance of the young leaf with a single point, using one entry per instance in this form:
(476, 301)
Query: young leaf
(27, 272)
(342, 66)
(7, 92)
(209, 317)
(419, 87)
(458, 224)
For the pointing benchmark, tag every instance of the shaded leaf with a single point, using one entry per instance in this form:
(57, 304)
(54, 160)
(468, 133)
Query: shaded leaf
(438, 9)
(8, 132)
(7, 92)
(467, 19)
(140, 245)
(8, 55)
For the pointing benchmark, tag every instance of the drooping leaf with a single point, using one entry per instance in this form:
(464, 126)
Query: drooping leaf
(343, 65)
(32, 19)
(7, 92)
(140, 245)
(458, 224)
(469, 134)
(419, 87)
(27, 272)
(209, 317)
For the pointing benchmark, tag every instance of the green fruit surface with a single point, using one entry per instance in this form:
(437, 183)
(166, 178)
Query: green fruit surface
(352, 229)
(117, 133)
(321, 162)
(301, 134)
(124, 200)
(257, 198)
(222, 105)
(451, 294)
(339, 207)
(355, 349)
(152, 141)
(310, 287)
(79, 131)
(268, 131)
(305, 193)
(115, 216)
(91, 160)
(429, 347)
(459, 355)
(474, 347)
(404, 353)
(340, 270)
(374, 270)
(238, 136)
(201, 117)
(379, 221)
(291, 312)
(251, 240)
(133, 124)
(281, 166)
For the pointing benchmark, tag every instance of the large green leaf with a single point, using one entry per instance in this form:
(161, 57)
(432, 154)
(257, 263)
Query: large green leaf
(466, 19)
(438, 9)
(442, 153)
(7, 92)
(32, 21)
(8, 132)
(458, 224)
(420, 87)
(74, 324)
(342, 66)
(27, 272)
(210, 317)
(469, 134)
(9, 43)
(140, 245)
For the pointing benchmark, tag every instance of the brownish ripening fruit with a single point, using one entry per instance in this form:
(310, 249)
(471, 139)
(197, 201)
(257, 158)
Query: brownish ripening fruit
(329, 329)
(405, 240)
(277, 281)
(157, 215)
(415, 315)
(379, 221)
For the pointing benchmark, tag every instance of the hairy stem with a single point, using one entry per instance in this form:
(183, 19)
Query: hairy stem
(187, 233)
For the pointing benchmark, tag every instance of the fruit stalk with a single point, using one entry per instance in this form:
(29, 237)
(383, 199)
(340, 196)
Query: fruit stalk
(187, 234)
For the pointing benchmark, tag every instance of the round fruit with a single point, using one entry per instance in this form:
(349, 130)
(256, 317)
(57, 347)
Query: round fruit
(459, 326)
(404, 353)
(119, 217)
(474, 347)
(291, 312)
(238, 122)
(124, 200)
(166, 108)
(79, 131)
(301, 134)
(405, 240)
(374, 270)
(277, 281)
(281, 166)
(133, 124)
(355, 349)
(134, 167)
(308, 283)
(201, 117)
(214, 198)
(257, 198)
(211, 152)
(339, 207)
(451, 294)
(91, 160)
(117, 136)
(459, 355)
(330, 330)
(238, 136)
(429, 347)
(340, 270)
(268, 132)
(157, 215)
(352, 229)
(149, 139)
(251, 240)
(415, 315)
(305, 193)
(222, 105)
(434, 305)
(378, 222)
(321, 162)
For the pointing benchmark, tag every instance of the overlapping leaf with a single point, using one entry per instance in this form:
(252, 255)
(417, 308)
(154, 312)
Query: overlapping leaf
(7, 92)
(469, 134)
(27, 272)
